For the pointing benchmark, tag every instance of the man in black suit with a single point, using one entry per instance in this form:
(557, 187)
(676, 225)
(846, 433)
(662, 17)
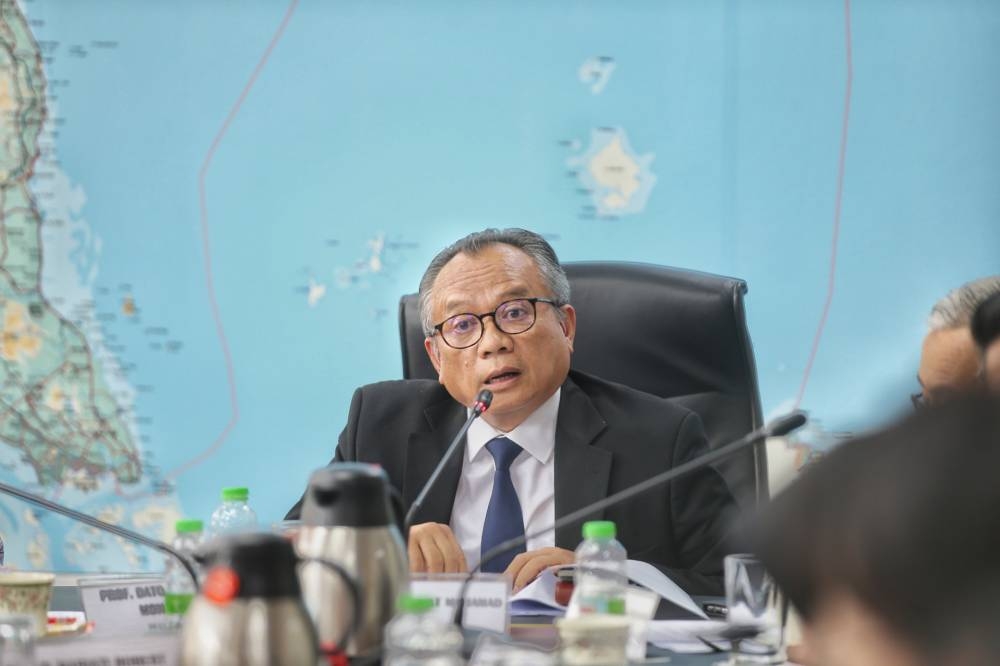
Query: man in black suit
(496, 315)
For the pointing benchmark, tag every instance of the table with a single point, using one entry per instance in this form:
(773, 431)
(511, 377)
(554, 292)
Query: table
(534, 630)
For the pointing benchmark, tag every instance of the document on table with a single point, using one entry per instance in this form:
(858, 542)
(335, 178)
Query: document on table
(683, 636)
(539, 597)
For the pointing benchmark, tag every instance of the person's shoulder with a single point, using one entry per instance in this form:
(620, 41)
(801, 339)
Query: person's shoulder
(614, 399)
(400, 396)
(390, 405)
(404, 388)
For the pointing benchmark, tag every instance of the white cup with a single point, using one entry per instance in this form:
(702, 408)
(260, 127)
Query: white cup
(27, 593)
(17, 640)
(594, 640)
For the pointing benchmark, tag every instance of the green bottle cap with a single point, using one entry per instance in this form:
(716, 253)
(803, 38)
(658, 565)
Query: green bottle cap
(599, 529)
(408, 603)
(188, 525)
(235, 494)
(176, 604)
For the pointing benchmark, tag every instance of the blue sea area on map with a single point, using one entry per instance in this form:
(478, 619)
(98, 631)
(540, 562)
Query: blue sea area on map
(377, 133)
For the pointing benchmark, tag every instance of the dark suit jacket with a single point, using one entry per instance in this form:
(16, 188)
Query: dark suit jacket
(608, 438)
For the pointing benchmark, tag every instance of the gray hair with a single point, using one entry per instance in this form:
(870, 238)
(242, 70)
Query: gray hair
(528, 242)
(955, 310)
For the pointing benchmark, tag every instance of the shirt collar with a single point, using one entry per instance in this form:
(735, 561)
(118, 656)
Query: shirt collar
(536, 434)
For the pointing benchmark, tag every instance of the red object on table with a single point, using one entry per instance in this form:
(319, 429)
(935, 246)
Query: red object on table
(564, 585)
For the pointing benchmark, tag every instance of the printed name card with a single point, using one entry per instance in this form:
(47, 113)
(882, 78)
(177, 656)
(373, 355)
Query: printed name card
(486, 598)
(125, 605)
(151, 650)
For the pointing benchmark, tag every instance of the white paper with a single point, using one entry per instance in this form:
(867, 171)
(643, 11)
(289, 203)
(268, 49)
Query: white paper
(492, 650)
(682, 635)
(539, 596)
(651, 578)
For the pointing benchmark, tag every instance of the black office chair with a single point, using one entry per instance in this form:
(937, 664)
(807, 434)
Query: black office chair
(675, 333)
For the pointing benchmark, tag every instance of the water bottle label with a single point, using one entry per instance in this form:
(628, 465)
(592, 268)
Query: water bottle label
(602, 605)
(176, 603)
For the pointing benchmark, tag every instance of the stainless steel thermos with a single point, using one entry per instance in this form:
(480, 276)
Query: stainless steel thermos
(351, 516)
(249, 611)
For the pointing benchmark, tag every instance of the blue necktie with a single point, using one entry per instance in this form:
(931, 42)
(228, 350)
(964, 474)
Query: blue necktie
(503, 516)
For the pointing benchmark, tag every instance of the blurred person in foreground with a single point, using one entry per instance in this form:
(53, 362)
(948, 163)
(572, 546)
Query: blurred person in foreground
(986, 333)
(890, 546)
(496, 313)
(949, 361)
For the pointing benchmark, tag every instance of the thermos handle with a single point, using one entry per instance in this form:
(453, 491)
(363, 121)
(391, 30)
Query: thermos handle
(356, 611)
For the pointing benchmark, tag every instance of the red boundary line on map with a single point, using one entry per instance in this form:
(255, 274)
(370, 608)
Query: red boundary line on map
(206, 244)
(831, 283)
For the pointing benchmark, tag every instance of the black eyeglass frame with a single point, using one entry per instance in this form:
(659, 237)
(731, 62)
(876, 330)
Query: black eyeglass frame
(439, 328)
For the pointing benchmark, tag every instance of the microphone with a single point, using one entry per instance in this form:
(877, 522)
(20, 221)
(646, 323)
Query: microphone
(38, 500)
(482, 403)
(783, 425)
(778, 427)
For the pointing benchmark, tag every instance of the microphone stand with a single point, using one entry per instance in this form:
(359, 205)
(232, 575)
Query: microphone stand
(780, 426)
(38, 500)
(482, 403)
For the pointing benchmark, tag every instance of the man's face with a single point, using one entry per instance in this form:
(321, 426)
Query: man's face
(991, 364)
(522, 370)
(949, 365)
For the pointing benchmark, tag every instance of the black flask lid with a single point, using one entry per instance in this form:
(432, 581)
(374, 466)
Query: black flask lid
(263, 563)
(348, 495)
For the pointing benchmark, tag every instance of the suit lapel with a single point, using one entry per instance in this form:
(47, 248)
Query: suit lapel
(582, 470)
(424, 449)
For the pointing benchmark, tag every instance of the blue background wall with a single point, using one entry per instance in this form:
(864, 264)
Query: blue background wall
(419, 122)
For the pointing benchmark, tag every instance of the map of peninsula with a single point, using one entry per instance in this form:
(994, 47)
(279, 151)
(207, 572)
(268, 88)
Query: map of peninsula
(55, 403)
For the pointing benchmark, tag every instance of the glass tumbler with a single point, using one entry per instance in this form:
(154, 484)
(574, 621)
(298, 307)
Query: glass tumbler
(757, 612)
(17, 640)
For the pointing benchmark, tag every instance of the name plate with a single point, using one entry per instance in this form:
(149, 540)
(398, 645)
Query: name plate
(150, 650)
(487, 598)
(121, 606)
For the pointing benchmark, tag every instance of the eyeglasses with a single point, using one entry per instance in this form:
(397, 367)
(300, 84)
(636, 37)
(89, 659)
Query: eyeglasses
(512, 317)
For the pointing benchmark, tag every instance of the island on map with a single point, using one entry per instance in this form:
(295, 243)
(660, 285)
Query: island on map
(596, 72)
(617, 179)
(55, 404)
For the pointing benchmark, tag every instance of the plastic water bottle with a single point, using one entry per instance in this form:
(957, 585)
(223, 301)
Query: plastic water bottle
(416, 638)
(234, 514)
(601, 579)
(180, 589)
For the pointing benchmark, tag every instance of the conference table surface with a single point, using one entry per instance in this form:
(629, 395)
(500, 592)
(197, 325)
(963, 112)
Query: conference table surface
(537, 631)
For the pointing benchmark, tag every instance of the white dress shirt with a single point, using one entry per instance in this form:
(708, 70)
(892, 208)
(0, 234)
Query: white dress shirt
(532, 472)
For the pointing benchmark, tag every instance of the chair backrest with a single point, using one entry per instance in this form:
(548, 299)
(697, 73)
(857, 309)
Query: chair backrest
(674, 333)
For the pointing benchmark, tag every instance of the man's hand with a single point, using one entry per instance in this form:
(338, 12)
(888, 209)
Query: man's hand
(434, 549)
(525, 567)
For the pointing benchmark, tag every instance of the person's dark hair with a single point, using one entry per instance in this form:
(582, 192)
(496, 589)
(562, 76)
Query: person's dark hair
(528, 242)
(906, 521)
(986, 322)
